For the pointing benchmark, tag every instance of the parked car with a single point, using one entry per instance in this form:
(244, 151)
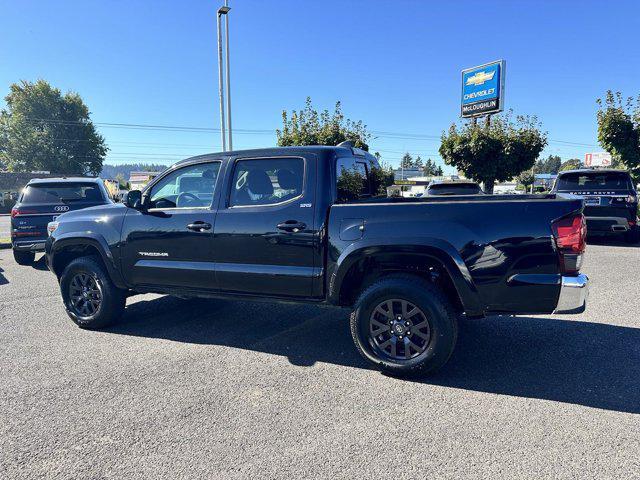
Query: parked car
(301, 224)
(610, 199)
(44, 200)
(453, 187)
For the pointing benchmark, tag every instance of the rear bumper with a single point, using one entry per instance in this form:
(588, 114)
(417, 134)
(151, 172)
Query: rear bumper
(574, 292)
(29, 245)
(607, 224)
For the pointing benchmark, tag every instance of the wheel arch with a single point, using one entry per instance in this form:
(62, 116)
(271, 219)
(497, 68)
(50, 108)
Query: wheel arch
(360, 265)
(65, 249)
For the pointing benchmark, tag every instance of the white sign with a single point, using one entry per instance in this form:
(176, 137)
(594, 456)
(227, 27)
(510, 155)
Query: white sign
(598, 159)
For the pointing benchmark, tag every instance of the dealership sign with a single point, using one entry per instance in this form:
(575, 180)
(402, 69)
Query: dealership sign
(483, 89)
(599, 159)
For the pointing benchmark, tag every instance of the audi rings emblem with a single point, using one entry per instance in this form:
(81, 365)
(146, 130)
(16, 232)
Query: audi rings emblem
(61, 208)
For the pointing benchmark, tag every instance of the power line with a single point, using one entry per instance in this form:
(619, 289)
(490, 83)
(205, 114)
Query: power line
(184, 128)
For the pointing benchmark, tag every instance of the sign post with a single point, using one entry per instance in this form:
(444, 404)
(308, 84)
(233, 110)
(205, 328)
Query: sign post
(483, 89)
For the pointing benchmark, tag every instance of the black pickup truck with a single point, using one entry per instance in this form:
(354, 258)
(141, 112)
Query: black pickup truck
(304, 224)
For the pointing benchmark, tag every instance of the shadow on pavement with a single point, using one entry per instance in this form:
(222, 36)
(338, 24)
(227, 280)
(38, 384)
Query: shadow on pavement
(583, 363)
(3, 279)
(40, 264)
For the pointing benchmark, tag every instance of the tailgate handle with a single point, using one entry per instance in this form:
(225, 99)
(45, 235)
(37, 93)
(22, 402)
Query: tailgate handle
(292, 226)
(199, 226)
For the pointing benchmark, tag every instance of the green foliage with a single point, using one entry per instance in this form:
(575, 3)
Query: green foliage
(308, 127)
(406, 161)
(572, 164)
(41, 129)
(551, 165)
(429, 168)
(526, 178)
(493, 152)
(381, 178)
(619, 130)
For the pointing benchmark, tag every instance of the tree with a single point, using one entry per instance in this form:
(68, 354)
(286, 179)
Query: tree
(308, 127)
(549, 165)
(619, 129)
(496, 151)
(430, 169)
(406, 161)
(45, 130)
(526, 178)
(571, 164)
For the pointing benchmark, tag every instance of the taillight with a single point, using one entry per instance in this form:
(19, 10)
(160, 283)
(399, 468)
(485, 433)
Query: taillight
(570, 234)
(16, 212)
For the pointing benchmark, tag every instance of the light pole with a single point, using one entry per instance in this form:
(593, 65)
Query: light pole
(227, 66)
(221, 11)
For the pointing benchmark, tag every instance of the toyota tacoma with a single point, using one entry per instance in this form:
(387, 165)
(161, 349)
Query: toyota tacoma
(306, 224)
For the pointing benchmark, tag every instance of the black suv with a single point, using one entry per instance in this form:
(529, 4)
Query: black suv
(43, 201)
(610, 200)
(453, 187)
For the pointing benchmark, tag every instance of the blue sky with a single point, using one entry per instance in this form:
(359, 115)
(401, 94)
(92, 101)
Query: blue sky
(393, 64)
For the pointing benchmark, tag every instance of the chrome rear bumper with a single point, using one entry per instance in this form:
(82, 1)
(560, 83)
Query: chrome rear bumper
(574, 292)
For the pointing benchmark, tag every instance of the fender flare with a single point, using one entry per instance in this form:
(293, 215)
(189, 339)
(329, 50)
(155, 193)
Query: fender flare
(434, 248)
(94, 240)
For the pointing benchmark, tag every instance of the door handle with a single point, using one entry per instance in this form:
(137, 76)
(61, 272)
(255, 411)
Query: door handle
(199, 226)
(292, 226)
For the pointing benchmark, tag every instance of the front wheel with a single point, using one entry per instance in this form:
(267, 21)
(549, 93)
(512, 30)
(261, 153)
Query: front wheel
(90, 298)
(24, 258)
(404, 325)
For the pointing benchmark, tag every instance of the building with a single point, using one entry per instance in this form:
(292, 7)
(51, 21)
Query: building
(544, 180)
(138, 180)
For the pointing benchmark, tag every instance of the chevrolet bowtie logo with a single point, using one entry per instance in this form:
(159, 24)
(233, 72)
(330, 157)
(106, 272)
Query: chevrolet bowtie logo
(480, 77)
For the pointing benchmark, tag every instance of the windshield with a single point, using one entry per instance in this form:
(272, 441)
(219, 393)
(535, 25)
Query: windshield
(594, 181)
(454, 189)
(62, 192)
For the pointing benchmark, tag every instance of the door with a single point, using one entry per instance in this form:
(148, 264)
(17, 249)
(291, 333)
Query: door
(170, 242)
(265, 240)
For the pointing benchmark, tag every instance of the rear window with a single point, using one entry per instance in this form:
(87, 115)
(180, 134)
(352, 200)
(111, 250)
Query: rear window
(62, 192)
(449, 189)
(591, 181)
(352, 180)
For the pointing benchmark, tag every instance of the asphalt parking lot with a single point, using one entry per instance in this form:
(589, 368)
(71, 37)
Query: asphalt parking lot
(5, 226)
(226, 389)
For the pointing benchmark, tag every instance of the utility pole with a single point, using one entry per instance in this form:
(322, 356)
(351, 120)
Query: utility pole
(228, 68)
(221, 11)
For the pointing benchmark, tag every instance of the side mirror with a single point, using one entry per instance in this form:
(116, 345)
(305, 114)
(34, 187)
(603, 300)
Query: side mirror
(133, 199)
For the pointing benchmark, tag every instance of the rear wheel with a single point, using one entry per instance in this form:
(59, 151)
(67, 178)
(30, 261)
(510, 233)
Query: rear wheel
(24, 258)
(90, 298)
(404, 325)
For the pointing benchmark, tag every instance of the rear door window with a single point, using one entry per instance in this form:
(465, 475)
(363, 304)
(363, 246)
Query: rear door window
(266, 181)
(62, 193)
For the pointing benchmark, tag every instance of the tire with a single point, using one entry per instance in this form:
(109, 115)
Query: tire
(24, 258)
(632, 236)
(435, 308)
(89, 272)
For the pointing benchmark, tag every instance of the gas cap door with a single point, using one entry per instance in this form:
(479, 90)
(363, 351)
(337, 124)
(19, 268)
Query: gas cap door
(351, 229)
